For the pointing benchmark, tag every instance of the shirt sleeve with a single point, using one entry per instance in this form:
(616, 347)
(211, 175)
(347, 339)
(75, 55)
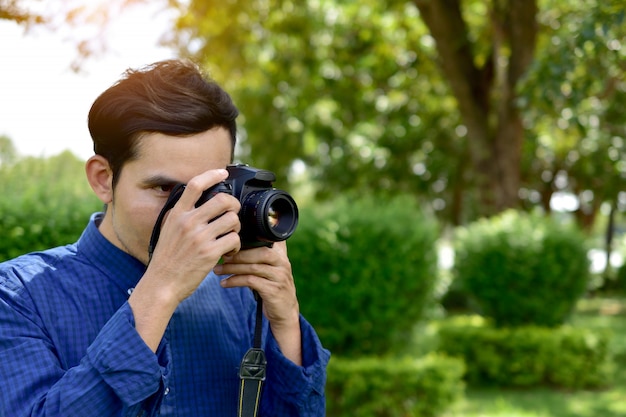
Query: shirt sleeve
(292, 390)
(117, 374)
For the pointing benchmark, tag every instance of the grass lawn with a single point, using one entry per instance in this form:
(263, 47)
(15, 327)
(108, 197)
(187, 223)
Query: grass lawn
(597, 313)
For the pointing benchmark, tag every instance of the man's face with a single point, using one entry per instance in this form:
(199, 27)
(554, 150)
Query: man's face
(145, 183)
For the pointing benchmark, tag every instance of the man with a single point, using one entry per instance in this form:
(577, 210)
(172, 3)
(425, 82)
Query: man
(98, 328)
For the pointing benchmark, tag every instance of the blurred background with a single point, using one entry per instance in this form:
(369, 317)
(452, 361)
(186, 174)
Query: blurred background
(459, 165)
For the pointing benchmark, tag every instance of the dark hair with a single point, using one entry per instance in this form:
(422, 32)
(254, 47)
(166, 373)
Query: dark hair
(172, 97)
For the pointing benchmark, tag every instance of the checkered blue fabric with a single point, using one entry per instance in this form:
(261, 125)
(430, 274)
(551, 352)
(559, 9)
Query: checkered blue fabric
(68, 346)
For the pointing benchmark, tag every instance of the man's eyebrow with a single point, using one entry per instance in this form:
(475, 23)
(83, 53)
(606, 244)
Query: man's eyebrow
(159, 179)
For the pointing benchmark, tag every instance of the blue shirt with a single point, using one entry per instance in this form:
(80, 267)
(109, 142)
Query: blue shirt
(68, 346)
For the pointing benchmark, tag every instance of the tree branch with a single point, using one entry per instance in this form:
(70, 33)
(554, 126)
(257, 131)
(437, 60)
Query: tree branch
(522, 23)
(447, 27)
(11, 10)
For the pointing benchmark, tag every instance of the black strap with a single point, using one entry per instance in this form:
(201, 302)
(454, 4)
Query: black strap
(252, 369)
(177, 191)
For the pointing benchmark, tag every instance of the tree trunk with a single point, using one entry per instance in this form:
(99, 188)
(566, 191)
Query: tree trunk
(486, 94)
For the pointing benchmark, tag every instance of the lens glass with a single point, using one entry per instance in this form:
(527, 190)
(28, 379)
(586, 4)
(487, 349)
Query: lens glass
(272, 217)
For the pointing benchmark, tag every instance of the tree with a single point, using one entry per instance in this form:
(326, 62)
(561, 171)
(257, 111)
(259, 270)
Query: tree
(368, 67)
(346, 89)
(574, 99)
(84, 23)
(483, 72)
(352, 91)
(16, 11)
(473, 106)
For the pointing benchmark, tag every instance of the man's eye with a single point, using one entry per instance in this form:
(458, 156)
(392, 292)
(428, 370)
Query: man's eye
(164, 188)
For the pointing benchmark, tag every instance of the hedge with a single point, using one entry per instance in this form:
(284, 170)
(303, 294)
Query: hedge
(526, 356)
(46, 202)
(372, 387)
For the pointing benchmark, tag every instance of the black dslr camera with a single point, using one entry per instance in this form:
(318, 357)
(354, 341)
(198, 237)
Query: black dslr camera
(267, 214)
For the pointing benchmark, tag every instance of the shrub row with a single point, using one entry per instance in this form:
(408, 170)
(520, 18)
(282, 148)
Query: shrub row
(527, 356)
(373, 387)
(46, 202)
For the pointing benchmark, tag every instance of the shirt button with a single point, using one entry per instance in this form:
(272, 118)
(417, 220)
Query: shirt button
(167, 391)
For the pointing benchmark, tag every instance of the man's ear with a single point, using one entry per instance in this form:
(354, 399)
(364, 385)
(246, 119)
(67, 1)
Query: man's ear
(100, 177)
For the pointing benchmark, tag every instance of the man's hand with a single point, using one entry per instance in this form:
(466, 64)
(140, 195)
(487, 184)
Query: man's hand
(192, 241)
(268, 271)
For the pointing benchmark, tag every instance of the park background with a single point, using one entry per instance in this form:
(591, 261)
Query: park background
(459, 168)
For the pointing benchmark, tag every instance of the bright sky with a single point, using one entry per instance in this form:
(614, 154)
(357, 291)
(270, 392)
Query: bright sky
(43, 104)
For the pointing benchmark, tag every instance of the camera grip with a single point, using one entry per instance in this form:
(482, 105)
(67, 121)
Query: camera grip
(220, 187)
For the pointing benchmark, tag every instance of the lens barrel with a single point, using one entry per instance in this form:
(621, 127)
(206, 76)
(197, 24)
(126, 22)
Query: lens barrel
(268, 215)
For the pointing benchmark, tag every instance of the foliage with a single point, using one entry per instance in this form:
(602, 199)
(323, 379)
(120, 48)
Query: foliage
(619, 284)
(372, 387)
(597, 315)
(364, 270)
(483, 66)
(529, 356)
(574, 98)
(353, 91)
(46, 202)
(8, 153)
(347, 89)
(14, 11)
(86, 24)
(522, 269)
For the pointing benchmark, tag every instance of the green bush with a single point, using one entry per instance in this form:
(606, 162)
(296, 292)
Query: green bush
(522, 269)
(370, 387)
(46, 202)
(365, 271)
(528, 356)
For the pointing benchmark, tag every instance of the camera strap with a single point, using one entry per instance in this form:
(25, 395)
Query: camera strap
(253, 366)
(252, 369)
(177, 191)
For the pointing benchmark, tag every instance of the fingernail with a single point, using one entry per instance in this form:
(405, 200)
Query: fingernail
(218, 269)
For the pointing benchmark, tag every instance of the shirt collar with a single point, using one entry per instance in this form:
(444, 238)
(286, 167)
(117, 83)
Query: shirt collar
(122, 268)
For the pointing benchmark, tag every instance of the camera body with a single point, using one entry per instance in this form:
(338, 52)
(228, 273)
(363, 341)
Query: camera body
(267, 214)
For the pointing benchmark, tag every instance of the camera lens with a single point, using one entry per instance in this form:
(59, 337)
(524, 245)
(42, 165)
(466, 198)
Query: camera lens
(268, 215)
